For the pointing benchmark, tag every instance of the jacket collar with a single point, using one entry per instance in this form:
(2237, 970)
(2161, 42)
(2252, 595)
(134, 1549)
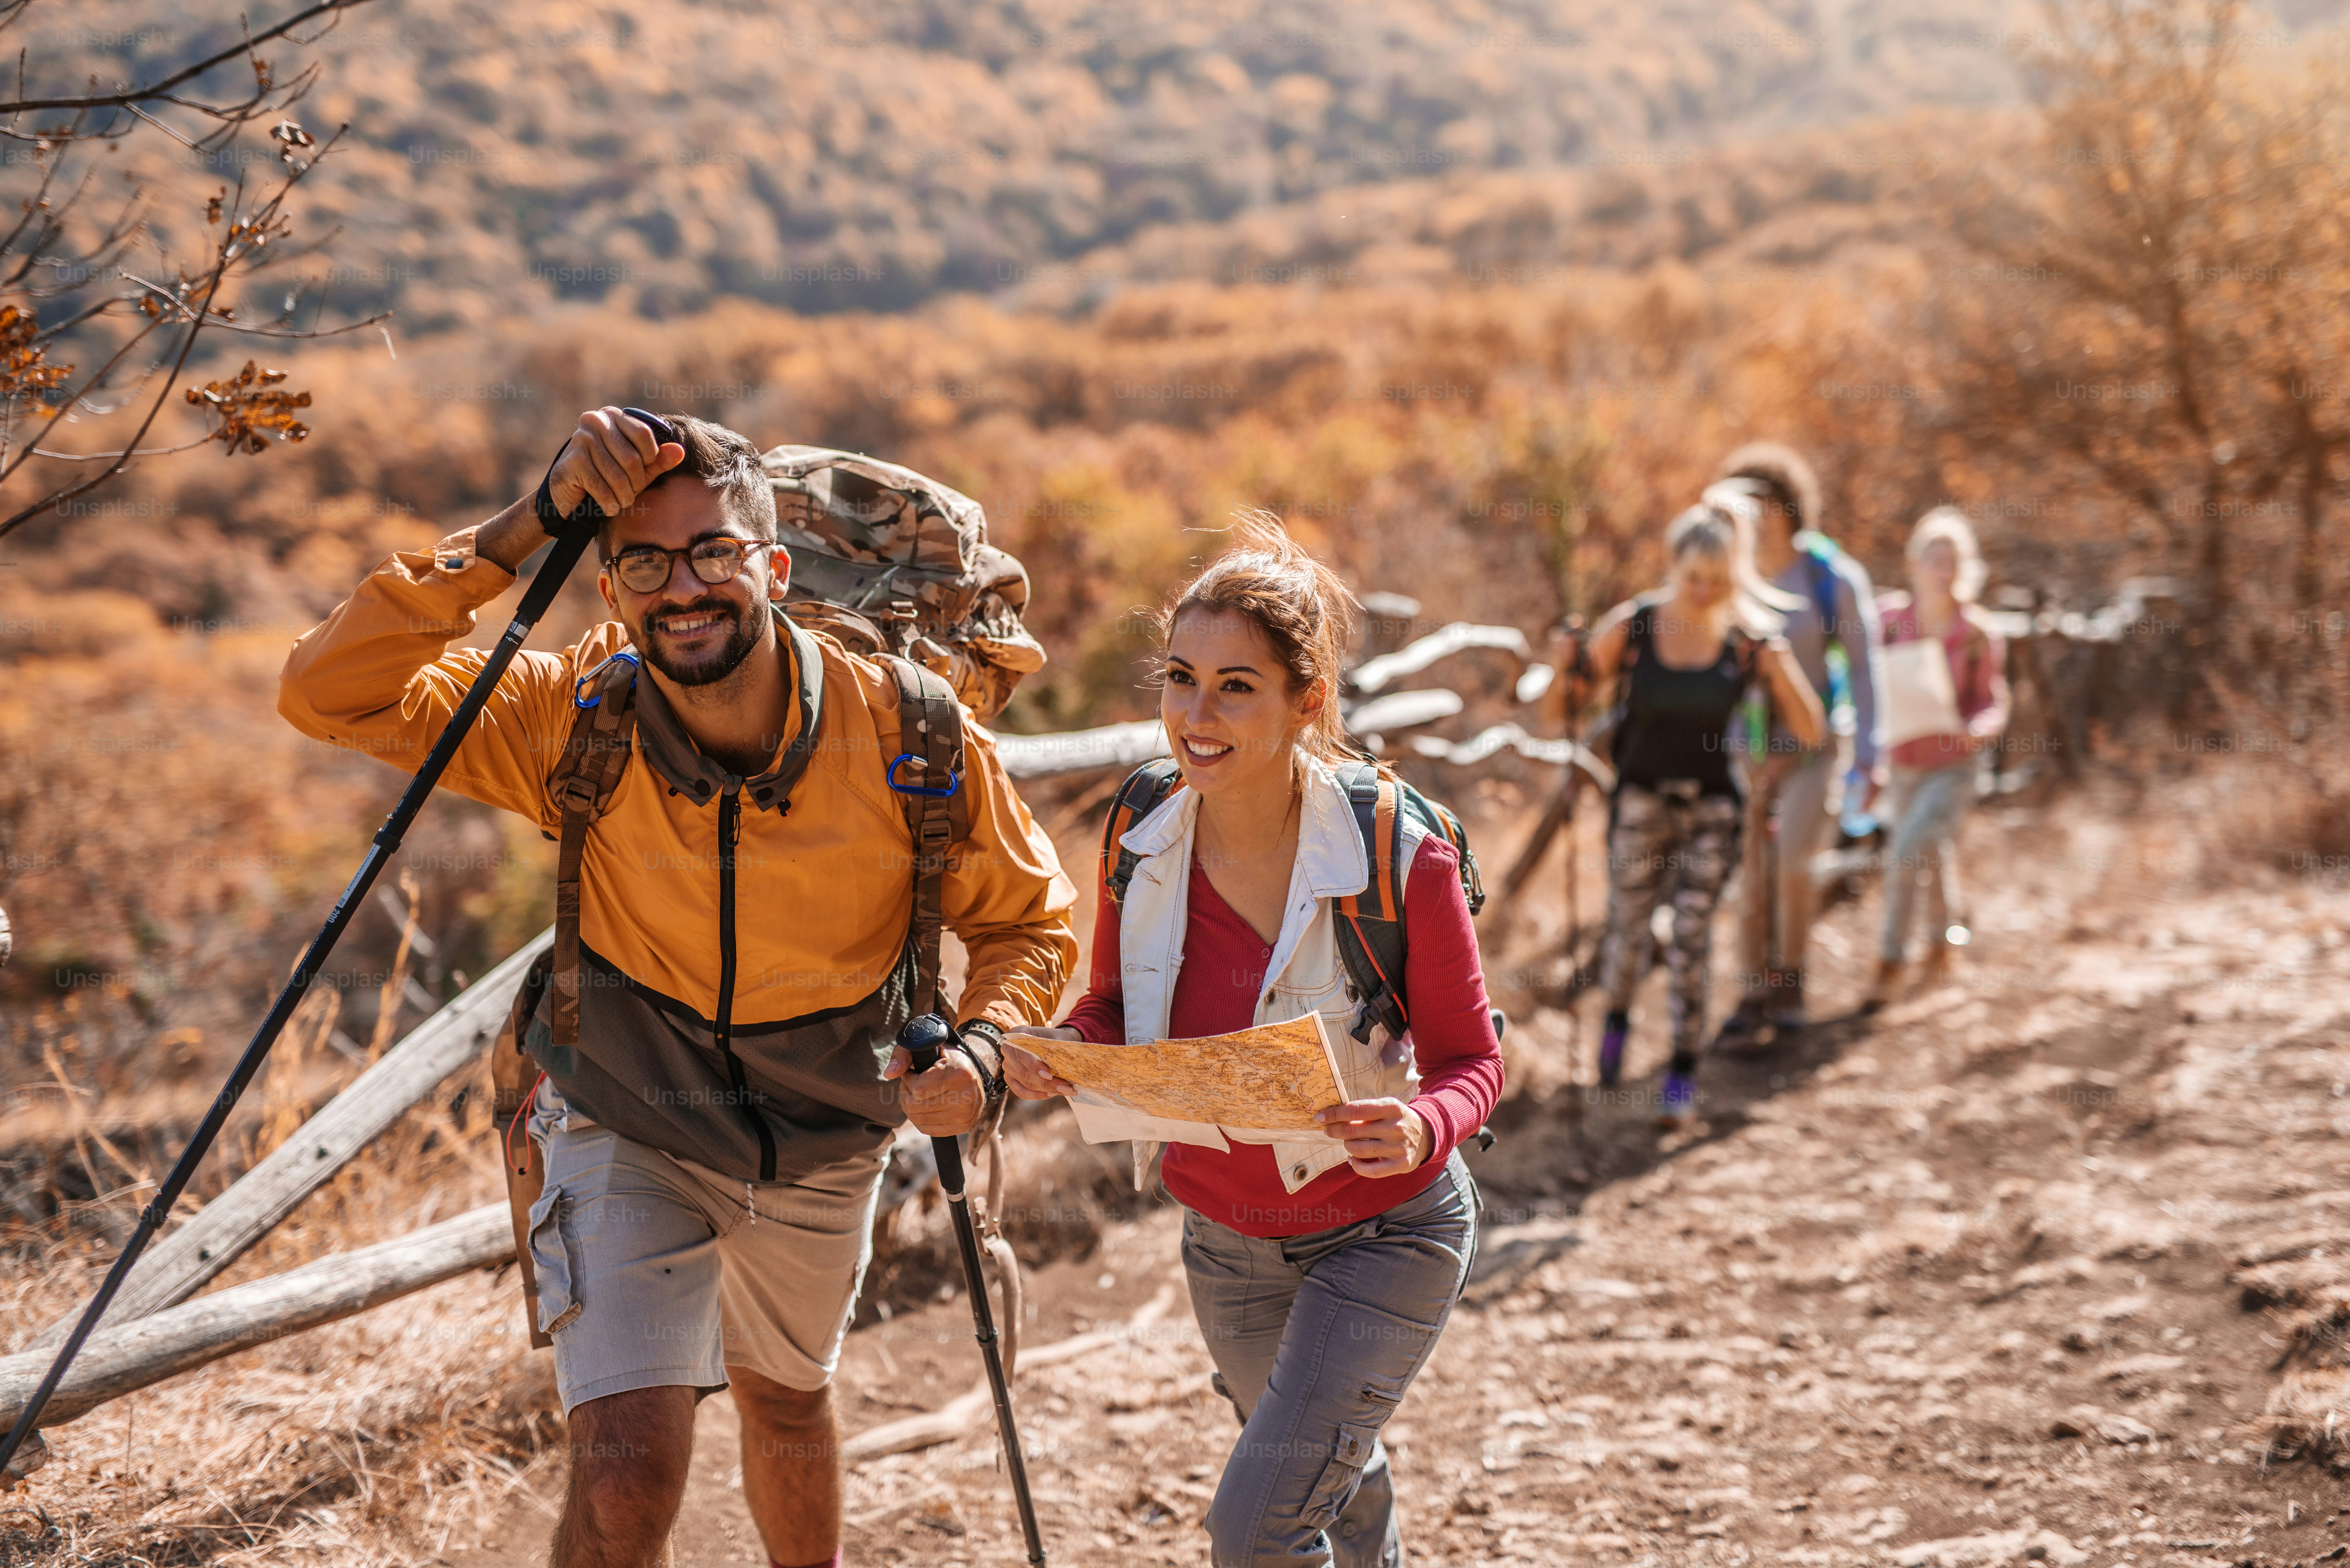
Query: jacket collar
(675, 756)
(1331, 861)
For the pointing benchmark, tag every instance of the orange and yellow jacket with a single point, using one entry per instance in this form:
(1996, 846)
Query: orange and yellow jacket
(825, 892)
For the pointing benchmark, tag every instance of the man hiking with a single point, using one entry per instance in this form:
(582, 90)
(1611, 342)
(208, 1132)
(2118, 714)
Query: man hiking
(1790, 778)
(741, 934)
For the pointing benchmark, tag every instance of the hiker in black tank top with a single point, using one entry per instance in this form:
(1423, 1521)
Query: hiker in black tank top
(1676, 721)
(1681, 659)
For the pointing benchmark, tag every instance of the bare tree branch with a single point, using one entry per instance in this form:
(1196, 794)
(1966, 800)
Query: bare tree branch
(162, 90)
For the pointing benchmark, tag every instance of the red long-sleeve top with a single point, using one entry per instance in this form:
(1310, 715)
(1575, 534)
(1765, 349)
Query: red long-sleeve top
(1216, 993)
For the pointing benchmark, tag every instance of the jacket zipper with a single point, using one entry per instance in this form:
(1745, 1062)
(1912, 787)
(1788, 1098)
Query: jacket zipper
(729, 833)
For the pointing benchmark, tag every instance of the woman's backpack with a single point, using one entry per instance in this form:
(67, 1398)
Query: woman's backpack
(1371, 937)
(887, 560)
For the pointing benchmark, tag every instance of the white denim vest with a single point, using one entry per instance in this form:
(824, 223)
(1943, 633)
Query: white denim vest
(1304, 973)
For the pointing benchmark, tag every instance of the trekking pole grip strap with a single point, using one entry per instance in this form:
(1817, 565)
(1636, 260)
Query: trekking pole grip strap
(554, 524)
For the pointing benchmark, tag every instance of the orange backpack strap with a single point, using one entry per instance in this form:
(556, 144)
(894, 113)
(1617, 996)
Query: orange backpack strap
(1378, 804)
(1371, 941)
(1144, 791)
(593, 758)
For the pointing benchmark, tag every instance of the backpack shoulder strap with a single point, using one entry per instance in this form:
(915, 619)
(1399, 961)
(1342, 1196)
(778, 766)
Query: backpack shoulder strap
(1370, 933)
(1639, 629)
(1378, 805)
(1746, 651)
(928, 774)
(595, 755)
(1822, 556)
(1640, 634)
(1145, 790)
(1439, 815)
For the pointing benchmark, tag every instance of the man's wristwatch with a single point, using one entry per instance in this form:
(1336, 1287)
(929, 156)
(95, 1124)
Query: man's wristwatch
(981, 1045)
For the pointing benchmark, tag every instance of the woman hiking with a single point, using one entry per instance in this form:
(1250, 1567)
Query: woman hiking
(1322, 1268)
(1682, 660)
(1947, 688)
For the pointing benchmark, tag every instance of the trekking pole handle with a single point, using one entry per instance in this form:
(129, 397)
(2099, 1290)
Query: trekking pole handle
(926, 1039)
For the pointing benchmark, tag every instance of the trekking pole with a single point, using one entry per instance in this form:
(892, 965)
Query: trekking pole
(578, 533)
(925, 1039)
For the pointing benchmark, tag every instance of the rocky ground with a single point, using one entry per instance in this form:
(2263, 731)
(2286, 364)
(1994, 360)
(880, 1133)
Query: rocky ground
(2044, 1266)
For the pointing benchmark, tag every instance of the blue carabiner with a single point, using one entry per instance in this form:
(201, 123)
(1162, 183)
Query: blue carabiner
(954, 779)
(589, 679)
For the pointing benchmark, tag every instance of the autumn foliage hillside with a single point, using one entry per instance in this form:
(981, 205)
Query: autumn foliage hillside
(1490, 396)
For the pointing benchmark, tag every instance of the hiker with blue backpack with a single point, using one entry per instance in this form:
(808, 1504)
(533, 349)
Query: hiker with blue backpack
(1682, 660)
(1266, 871)
(1830, 628)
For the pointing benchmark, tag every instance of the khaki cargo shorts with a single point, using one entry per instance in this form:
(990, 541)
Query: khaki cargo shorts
(654, 1271)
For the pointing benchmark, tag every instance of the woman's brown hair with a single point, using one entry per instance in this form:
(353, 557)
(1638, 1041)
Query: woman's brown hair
(1306, 613)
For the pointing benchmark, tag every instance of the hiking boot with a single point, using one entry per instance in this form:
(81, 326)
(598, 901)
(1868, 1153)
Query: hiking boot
(1676, 1101)
(1884, 988)
(1786, 996)
(1935, 970)
(1611, 1048)
(1743, 1029)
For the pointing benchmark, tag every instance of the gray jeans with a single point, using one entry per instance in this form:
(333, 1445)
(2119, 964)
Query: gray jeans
(1316, 1338)
(1927, 806)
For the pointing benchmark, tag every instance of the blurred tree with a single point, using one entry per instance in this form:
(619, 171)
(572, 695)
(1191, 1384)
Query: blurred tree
(129, 320)
(2155, 300)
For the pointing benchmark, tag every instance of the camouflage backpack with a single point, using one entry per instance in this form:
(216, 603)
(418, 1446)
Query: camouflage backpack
(888, 561)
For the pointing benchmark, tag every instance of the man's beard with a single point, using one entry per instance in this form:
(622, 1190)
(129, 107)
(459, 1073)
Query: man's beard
(742, 637)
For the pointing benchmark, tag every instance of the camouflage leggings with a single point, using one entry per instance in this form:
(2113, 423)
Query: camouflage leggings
(1676, 851)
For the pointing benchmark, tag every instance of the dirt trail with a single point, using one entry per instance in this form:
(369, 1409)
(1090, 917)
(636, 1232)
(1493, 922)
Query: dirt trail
(2007, 1274)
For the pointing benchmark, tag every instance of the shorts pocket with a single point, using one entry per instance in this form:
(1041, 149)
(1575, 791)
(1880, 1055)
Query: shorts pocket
(554, 1260)
(1348, 1455)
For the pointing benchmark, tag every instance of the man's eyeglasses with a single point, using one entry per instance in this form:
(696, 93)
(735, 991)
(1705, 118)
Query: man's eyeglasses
(645, 569)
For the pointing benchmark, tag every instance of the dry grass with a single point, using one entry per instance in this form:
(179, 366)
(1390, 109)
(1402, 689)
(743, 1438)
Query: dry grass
(356, 1443)
(366, 1442)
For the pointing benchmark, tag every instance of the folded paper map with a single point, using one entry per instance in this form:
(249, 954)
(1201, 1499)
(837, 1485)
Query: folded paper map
(1274, 1078)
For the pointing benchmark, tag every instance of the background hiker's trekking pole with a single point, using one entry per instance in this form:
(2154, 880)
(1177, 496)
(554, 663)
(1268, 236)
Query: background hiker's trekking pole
(578, 531)
(925, 1039)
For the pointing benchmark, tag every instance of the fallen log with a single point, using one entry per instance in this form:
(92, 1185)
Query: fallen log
(1413, 658)
(968, 1411)
(127, 1357)
(1128, 745)
(1402, 710)
(181, 1264)
(1535, 748)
